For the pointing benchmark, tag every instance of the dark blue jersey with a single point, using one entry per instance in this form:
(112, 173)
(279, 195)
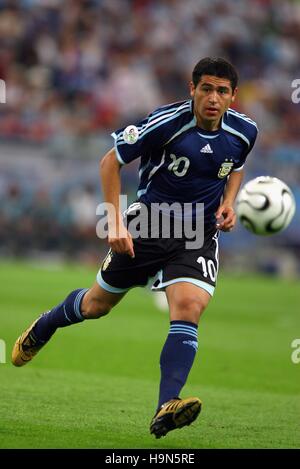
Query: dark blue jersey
(180, 162)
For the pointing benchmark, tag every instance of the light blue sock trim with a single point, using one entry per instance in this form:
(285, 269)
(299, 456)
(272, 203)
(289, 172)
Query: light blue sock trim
(185, 329)
(77, 303)
(182, 327)
(184, 333)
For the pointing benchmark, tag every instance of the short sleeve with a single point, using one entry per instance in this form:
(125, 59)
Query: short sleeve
(248, 149)
(150, 136)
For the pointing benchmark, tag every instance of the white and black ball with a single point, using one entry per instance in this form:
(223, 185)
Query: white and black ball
(265, 205)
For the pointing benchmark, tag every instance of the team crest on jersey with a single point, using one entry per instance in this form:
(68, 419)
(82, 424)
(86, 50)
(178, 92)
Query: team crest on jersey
(107, 260)
(225, 169)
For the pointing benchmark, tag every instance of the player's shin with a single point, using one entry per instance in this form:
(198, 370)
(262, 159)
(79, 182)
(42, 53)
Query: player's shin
(176, 359)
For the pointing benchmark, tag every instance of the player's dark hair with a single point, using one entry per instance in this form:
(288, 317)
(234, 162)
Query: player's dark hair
(216, 67)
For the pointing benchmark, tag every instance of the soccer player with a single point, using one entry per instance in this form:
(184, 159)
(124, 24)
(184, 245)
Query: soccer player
(190, 152)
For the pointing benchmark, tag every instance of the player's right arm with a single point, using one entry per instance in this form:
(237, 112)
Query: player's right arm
(119, 238)
(150, 135)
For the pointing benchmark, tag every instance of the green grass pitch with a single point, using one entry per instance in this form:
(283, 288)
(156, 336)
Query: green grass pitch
(95, 385)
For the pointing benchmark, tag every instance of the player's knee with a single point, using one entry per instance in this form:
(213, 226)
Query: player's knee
(96, 308)
(190, 308)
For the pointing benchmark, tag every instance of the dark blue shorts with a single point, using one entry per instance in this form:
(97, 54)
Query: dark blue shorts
(164, 262)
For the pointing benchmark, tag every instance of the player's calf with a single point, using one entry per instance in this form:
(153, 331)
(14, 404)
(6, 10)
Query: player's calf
(98, 302)
(95, 308)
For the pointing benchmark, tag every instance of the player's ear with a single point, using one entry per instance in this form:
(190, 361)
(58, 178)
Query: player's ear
(192, 89)
(234, 95)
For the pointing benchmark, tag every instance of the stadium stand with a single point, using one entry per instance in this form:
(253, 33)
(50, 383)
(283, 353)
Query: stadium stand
(71, 80)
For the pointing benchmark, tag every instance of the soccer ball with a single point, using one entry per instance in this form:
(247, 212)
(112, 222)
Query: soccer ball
(265, 205)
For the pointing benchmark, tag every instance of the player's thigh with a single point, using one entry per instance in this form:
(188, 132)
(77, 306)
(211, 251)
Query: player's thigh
(186, 301)
(98, 302)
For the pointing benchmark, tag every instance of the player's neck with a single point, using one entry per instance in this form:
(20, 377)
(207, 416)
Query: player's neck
(208, 124)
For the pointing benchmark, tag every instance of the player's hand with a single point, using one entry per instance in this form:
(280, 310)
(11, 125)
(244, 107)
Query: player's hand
(120, 241)
(226, 218)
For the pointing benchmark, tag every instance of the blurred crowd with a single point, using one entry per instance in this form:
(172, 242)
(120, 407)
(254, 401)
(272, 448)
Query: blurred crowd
(75, 70)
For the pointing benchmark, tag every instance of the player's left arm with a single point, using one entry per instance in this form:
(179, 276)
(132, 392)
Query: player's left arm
(226, 217)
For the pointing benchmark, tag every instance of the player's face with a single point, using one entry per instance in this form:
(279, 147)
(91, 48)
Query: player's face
(212, 97)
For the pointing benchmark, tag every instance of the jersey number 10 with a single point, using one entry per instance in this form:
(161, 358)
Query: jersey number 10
(179, 166)
(208, 268)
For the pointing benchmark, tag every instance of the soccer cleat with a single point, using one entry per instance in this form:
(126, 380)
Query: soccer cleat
(26, 347)
(175, 413)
